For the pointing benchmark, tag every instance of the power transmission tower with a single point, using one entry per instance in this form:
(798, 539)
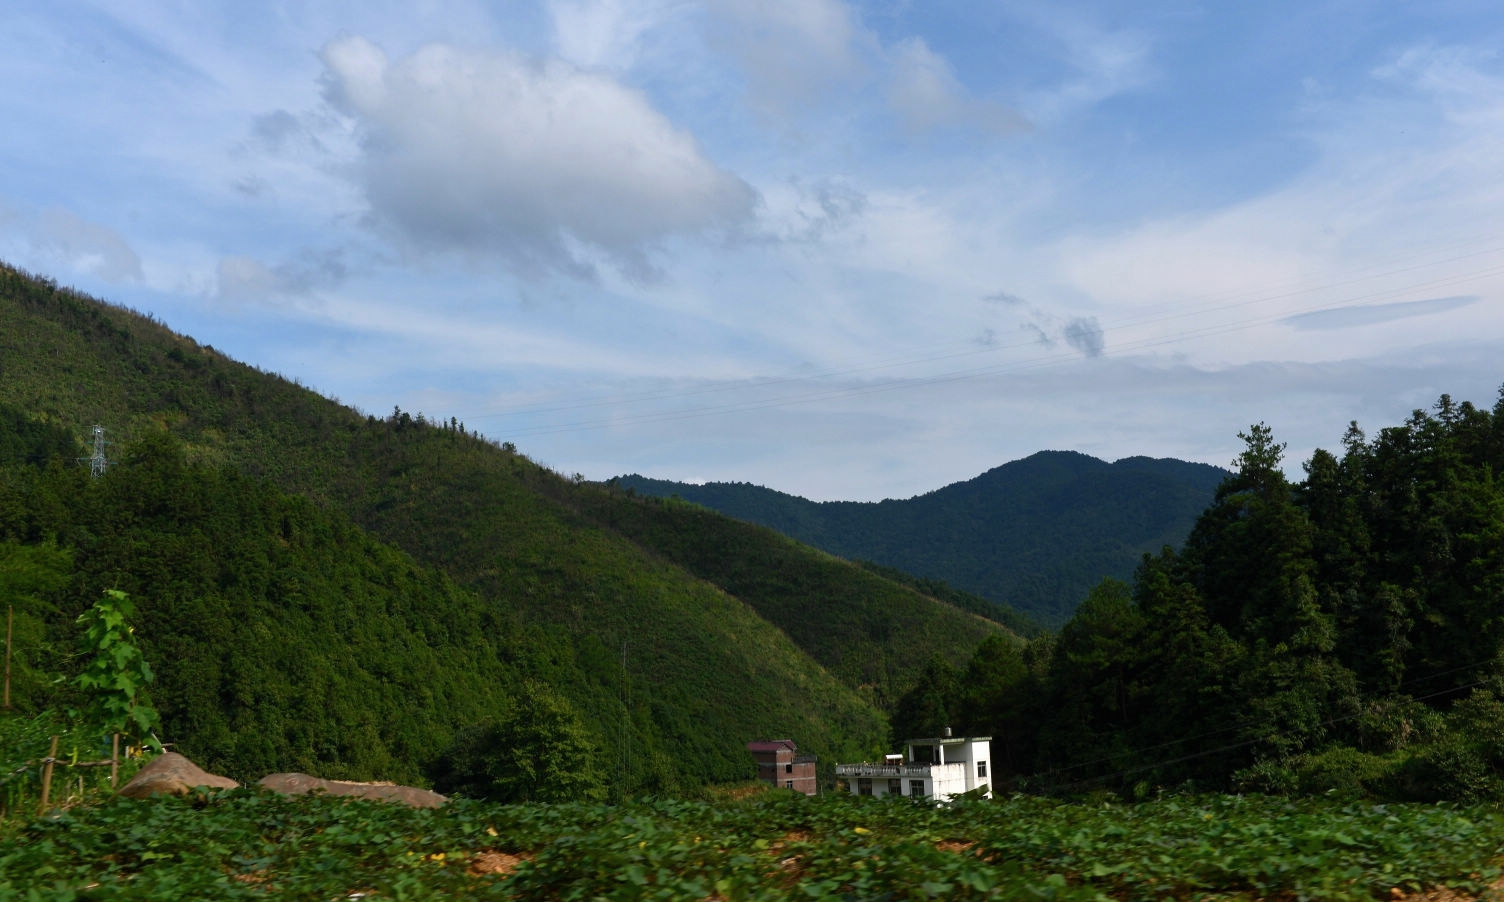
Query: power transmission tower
(97, 462)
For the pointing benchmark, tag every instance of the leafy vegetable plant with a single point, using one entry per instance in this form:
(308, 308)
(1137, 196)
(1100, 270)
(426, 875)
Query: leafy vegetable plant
(249, 844)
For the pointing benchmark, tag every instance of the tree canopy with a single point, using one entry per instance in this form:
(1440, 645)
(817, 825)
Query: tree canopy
(1345, 631)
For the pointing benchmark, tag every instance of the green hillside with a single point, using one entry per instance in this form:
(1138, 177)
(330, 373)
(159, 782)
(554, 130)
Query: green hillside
(547, 571)
(1035, 534)
(280, 634)
(869, 631)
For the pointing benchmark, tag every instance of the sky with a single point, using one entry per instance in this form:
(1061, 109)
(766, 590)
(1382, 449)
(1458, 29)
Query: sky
(847, 250)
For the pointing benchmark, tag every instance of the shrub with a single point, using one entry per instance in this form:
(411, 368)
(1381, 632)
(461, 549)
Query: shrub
(1347, 772)
(542, 752)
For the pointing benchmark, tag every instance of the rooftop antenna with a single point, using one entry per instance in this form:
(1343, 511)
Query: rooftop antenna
(97, 462)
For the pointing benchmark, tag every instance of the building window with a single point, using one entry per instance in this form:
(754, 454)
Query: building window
(788, 768)
(916, 788)
(895, 787)
(864, 786)
(981, 769)
(788, 784)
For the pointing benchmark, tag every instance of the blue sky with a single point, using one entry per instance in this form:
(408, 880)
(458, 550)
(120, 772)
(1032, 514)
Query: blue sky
(844, 249)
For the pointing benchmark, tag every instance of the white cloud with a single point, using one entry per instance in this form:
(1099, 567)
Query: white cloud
(356, 74)
(603, 33)
(926, 94)
(1370, 314)
(795, 211)
(1182, 260)
(245, 279)
(792, 51)
(1448, 71)
(281, 133)
(67, 238)
(1104, 63)
(540, 164)
(1400, 205)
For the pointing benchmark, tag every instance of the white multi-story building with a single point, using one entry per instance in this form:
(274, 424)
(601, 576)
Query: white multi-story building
(939, 769)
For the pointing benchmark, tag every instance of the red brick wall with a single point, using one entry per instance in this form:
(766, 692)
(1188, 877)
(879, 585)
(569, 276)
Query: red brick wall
(773, 767)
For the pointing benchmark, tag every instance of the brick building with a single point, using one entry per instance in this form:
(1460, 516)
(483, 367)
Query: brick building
(779, 763)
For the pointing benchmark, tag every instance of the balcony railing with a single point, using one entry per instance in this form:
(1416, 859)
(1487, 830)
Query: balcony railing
(901, 770)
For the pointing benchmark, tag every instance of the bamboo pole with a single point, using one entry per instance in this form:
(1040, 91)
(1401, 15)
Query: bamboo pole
(47, 776)
(114, 759)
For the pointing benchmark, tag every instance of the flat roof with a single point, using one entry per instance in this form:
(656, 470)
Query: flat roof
(946, 740)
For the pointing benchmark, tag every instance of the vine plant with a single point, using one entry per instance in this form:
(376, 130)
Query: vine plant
(116, 675)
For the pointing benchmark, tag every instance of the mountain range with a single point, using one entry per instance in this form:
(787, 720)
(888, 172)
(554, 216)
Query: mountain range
(1035, 534)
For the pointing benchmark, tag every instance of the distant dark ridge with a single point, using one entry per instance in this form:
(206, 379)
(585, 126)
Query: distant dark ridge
(1034, 534)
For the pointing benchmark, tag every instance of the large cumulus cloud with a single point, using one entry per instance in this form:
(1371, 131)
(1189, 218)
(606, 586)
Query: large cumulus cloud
(538, 163)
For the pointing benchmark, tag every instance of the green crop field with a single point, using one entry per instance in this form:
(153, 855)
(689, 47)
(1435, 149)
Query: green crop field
(244, 844)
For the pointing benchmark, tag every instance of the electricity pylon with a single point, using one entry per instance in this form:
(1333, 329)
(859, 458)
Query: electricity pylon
(97, 462)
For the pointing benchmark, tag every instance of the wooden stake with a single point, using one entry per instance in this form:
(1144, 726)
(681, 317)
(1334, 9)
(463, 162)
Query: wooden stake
(10, 613)
(47, 776)
(114, 758)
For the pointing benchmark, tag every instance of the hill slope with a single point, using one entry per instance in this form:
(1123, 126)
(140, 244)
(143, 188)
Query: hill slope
(1035, 534)
(279, 633)
(707, 668)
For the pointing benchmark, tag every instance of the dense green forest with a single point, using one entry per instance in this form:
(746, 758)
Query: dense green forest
(279, 633)
(1032, 536)
(1021, 624)
(1344, 632)
(399, 574)
(884, 631)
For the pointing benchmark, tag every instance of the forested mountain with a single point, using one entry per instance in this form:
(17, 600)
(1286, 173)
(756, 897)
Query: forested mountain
(1343, 633)
(1035, 534)
(404, 572)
